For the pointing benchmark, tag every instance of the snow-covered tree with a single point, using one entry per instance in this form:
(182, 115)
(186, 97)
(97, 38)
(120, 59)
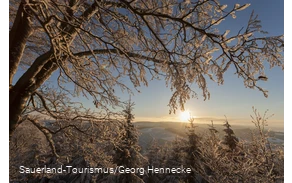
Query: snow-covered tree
(175, 157)
(229, 139)
(91, 46)
(156, 156)
(96, 44)
(252, 161)
(127, 151)
(193, 155)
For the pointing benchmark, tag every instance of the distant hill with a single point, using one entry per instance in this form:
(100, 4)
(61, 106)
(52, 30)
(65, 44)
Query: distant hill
(165, 132)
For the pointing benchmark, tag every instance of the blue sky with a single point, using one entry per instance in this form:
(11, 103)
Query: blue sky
(232, 98)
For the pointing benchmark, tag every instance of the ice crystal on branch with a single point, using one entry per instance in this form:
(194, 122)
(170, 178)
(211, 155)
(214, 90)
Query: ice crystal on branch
(96, 45)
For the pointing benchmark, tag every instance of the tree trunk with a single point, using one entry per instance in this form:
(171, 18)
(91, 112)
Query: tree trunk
(16, 107)
(41, 69)
(23, 89)
(18, 36)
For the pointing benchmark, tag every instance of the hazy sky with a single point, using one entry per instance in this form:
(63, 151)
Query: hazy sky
(231, 99)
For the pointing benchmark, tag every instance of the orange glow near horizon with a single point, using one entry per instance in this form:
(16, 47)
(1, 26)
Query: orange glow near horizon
(185, 115)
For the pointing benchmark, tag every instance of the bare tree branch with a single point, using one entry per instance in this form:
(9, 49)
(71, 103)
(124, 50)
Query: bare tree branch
(97, 44)
(47, 134)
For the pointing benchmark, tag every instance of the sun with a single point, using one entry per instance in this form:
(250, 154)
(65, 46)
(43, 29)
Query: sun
(185, 115)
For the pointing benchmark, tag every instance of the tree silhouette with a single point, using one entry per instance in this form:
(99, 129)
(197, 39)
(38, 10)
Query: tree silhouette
(229, 139)
(212, 129)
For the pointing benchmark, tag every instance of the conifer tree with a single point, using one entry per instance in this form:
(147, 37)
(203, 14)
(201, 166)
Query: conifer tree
(175, 158)
(155, 159)
(229, 139)
(127, 153)
(212, 129)
(193, 152)
(213, 144)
